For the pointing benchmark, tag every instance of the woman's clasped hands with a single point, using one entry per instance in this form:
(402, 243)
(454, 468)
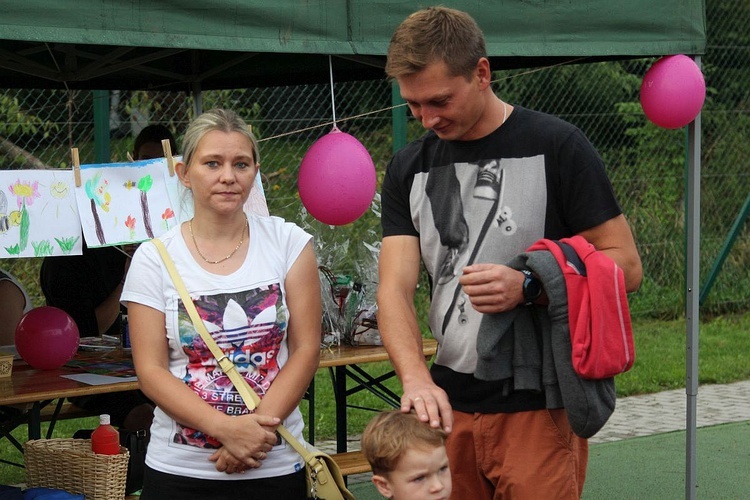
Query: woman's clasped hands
(246, 441)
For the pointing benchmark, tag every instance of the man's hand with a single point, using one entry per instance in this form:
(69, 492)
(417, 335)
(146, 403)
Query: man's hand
(430, 403)
(492, 288)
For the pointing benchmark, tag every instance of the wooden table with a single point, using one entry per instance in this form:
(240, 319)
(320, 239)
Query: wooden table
(29, 385)
(35, 389)
(30, 391)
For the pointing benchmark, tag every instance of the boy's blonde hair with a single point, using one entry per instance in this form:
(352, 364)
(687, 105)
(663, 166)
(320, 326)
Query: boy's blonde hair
(390, 434)
(436, 34)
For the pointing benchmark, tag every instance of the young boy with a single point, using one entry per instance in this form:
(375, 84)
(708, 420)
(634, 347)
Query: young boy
(407, 457)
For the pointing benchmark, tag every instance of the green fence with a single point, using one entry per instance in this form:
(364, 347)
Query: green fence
(646, 163)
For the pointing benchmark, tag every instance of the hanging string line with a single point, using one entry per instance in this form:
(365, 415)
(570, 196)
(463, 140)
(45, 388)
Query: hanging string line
(333, 104)
(389, 108)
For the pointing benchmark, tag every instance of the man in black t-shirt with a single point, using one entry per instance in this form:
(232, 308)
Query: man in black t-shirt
(484, 183)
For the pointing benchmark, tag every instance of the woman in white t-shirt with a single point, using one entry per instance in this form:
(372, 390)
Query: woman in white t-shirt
(254, 281)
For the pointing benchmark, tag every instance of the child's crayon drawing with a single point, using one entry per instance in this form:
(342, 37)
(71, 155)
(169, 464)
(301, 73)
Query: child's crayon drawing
(122, 203)
(38, 214)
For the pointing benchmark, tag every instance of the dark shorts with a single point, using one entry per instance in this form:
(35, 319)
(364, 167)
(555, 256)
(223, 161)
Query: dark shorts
(159, 485)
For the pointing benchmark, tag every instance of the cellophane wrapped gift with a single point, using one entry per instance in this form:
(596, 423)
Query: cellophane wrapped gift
(348, 281)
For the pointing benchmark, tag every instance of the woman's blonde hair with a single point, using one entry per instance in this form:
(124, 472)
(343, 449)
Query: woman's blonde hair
(223, 120)
(436, 34)
(391, 433)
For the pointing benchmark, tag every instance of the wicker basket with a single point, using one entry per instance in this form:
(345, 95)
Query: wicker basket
(70, 465)
(6, 365)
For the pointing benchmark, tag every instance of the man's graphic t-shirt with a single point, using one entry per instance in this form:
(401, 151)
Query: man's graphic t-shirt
(486, 201)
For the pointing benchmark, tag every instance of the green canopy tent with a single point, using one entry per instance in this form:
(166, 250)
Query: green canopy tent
(220, 44)
(168, 45)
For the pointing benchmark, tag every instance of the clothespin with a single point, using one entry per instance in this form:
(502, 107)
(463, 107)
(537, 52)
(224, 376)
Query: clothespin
(168, 156)
(76, 166)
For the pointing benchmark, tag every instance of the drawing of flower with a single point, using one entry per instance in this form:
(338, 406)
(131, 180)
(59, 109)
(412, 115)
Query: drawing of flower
(96, 191)
(144, 184)
(130, 223)
(168, 214)
(25, 192)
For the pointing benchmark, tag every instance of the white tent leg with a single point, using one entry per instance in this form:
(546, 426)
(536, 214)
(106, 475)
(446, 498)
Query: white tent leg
(692, 297)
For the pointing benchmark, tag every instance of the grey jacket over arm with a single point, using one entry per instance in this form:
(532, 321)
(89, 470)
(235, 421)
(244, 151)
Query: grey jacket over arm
(530, 347)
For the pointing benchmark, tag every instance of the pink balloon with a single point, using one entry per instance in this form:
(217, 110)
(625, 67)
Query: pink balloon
(673, 91)
(47, 337)
(337, 179)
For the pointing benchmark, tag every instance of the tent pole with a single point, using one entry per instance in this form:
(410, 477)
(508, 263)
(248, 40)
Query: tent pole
(101, 126)
(197, 99)
(692, 297)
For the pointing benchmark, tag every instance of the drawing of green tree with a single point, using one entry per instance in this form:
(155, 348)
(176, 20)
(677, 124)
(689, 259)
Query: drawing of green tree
(144, 184)
(96, 191)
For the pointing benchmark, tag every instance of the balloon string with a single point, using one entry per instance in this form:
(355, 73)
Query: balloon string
(333, 101)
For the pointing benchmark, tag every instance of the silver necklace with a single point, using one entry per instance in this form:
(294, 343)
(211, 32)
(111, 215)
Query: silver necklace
(195, 243)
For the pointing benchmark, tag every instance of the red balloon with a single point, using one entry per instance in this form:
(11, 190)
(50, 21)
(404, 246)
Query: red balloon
(47, 337)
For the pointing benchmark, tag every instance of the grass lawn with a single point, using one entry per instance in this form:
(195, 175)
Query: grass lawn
(660, 365)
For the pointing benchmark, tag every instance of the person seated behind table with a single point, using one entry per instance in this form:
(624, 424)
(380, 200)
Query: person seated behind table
(15, 303)
(88, 287)
(407, 457)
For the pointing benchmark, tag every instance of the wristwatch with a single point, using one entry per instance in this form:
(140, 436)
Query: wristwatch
(532, 287)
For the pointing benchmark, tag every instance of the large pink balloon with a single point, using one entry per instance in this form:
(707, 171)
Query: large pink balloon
(337, 179)
(673, 91)
(47, 337)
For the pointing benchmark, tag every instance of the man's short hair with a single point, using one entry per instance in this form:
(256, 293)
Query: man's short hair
(391, 433)
(436, 34)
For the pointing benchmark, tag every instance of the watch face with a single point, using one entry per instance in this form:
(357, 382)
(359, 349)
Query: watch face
(532, 288)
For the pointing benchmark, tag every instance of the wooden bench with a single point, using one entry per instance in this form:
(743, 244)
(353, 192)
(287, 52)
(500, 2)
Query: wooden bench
(352, 462)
